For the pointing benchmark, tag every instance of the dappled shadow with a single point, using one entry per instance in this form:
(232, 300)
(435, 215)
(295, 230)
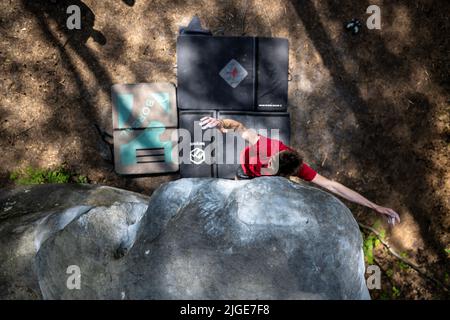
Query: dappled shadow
(82, 115)
(129, 2)
(388, 140)
(72, 47)
(49, 14)
(376, 145)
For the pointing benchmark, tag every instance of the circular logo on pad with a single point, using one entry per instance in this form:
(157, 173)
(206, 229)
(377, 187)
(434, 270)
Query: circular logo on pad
(197, 156)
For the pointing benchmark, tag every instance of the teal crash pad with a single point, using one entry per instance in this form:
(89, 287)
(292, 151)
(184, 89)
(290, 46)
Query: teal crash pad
(144, 122)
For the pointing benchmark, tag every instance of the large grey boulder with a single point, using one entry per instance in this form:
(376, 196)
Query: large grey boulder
(267, 238)
(31, 215)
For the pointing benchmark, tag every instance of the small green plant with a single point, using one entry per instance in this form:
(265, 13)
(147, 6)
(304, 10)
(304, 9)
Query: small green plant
(371, 241)
(395, 292)
(81, 179)
(377, 226)
(401, 264)
(32, 175)
(384, 296)
(27, 176)
(369, 245)
(59, 175)
(390, 273)
(447, 251)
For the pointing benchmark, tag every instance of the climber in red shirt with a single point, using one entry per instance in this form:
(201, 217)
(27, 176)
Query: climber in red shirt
(265, 157)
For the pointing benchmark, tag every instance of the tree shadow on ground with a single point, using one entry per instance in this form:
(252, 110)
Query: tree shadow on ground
(62, 39)
(71, 46)
(376, 145)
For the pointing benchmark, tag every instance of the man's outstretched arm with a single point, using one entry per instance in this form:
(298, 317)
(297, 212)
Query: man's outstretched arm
(226, 125)
(353, 196)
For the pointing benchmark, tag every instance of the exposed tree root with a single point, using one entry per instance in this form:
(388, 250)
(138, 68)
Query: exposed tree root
(413, 265)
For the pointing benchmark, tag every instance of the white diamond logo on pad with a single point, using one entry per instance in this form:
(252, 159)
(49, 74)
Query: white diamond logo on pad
(233, 73)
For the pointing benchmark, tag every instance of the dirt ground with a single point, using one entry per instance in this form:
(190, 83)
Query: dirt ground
(369, 110)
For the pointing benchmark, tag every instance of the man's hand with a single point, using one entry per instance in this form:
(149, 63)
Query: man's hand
(390, 214)
(209, 122)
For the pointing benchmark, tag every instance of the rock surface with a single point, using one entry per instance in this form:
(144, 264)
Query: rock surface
(30, 215)
(266, 238)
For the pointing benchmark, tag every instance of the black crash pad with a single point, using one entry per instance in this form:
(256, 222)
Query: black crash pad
(232, 73)
(222, 148)
(190, 150)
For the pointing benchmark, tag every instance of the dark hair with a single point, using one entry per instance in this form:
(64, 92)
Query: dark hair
(289, 163)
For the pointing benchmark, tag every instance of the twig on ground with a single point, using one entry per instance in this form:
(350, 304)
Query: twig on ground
(413, 265)
(23, 132)
(336, 107)
(266, 16)
(324, 159)
(244, 27)
(67, 41)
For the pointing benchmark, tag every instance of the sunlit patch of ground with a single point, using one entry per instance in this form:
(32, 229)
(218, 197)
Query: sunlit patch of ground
(370, 110)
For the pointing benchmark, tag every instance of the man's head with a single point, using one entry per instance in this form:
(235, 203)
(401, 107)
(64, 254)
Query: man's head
(285, 163)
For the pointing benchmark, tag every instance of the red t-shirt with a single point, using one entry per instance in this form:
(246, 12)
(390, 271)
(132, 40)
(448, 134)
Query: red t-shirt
(256, 157)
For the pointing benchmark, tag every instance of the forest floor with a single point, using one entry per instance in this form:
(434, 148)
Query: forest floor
(369, 110)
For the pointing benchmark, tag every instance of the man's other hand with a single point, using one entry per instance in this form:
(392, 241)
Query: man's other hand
(209, 122)
(390, 214)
